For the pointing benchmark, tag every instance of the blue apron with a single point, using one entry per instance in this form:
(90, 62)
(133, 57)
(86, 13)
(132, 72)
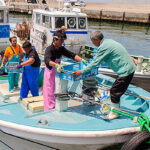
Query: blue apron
(29, 81)
(13, 78)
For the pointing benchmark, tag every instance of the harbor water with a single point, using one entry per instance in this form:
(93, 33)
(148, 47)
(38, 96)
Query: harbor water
(134, 37)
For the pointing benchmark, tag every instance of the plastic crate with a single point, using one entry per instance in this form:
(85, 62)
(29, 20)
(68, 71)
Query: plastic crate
(11, 67)
(69, 69)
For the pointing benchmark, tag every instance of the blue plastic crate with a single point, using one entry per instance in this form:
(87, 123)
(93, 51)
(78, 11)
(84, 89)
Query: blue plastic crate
(69, 69)
(11, 67)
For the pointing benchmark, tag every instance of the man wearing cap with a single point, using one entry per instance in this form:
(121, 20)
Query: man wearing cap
(52, 57)
(117, 58)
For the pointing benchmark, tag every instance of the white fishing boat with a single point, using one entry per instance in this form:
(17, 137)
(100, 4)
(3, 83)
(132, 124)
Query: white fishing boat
(4, 26)
(46, 21)
(73, 124)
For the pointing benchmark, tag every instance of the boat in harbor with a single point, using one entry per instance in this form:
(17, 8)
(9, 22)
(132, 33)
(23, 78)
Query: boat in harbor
(46, 21)
(4, 26)
(73, 124)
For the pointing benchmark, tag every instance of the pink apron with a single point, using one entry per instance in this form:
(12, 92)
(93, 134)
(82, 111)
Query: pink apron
(49, 88)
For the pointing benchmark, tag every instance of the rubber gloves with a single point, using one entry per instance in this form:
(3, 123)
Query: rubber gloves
(59, 68)
(19, 66)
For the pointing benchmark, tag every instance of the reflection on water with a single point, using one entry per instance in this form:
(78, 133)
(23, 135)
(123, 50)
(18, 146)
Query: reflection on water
(134, 37)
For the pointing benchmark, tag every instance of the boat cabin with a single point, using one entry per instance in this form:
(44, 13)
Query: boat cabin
(46, 22)
(4, 26)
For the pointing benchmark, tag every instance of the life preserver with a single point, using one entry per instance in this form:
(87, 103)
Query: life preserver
(138, 141)
(82, 23)
(71, 22)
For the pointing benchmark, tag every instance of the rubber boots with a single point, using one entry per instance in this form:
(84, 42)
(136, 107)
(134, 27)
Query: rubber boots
(113, 115)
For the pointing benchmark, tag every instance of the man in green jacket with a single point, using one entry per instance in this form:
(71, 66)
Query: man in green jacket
(118, 59)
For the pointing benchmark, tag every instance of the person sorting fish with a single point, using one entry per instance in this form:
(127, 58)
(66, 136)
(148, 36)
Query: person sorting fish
(52, 58)
(118, 59)
(31, 64)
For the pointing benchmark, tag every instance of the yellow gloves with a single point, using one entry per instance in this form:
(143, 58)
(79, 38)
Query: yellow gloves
(59, 68)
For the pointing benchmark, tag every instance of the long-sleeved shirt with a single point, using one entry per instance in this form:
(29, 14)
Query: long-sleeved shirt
(115, 56)
(51, 54)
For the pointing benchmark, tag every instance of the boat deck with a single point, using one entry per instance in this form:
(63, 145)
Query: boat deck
(78, 116)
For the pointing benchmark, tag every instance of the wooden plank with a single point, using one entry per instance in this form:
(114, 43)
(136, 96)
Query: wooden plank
(36, 106)
(34, 103)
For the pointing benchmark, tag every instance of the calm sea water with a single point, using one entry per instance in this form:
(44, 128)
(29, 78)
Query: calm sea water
(136, 38)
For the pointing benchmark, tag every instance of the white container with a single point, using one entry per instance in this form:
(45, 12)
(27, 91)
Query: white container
(61, 104)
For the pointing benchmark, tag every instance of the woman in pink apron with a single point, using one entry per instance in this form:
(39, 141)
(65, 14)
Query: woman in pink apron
(52, 57)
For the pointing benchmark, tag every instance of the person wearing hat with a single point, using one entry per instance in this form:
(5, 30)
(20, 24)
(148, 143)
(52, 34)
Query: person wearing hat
(52, 57)
(31, 64)
(63, 28)
(117, 58)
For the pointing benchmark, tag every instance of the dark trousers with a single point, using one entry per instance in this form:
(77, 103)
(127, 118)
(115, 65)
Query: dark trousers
(119, 87)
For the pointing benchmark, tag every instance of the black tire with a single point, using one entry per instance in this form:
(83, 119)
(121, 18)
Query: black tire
(138, 141)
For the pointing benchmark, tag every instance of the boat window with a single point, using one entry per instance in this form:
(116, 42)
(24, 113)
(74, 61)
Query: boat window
(1, 16)
(59, 21)
(71, 22)
(46, 21)
(82, 23)
(38, 18)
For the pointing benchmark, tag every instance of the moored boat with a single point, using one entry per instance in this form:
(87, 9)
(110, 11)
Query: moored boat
(46, 21)
(78, 126)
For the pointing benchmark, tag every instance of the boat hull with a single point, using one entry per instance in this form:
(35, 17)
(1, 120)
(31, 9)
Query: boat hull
(14, 136)
(139, 80)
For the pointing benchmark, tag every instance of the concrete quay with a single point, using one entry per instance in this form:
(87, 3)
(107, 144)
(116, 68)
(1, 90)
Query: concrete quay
(116, 12)
(119, 12)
